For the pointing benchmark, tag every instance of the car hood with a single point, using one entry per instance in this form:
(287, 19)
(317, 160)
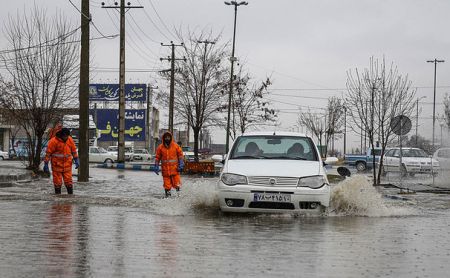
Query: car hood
(272, 167)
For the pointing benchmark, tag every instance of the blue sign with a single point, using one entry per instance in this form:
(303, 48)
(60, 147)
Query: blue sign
(110, 92)
(108, 124)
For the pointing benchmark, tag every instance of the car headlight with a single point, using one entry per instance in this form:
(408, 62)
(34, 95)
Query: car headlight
(233, 179)
(313, 182)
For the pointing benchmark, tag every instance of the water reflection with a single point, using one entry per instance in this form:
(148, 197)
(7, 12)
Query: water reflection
(59, 236)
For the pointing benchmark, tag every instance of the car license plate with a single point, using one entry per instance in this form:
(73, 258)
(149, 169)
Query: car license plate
(272, 197)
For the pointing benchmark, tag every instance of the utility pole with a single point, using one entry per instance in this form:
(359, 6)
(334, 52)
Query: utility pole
(232, 60)
(435, 61)
(121, 138)
(148, 133)
(172, 60)
(83, 143)
(345, 130)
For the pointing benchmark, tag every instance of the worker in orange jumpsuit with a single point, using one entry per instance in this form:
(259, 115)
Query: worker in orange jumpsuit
(172, 163)
(61, 151)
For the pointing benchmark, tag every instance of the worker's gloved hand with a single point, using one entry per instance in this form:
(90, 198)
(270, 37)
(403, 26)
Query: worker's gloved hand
(46, 170)
(77, 163)
(156, 169)
(180, 165)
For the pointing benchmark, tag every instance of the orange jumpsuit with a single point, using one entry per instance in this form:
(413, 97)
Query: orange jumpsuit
(61, 154)
(169, 156)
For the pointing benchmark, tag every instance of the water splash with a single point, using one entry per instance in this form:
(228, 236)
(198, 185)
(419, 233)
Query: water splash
(356, 196)
(198, 196)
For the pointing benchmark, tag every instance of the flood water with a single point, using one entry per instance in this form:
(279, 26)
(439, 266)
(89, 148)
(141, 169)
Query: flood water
(118, 225)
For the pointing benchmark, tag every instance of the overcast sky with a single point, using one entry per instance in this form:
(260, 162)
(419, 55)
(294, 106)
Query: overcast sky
(306, 46)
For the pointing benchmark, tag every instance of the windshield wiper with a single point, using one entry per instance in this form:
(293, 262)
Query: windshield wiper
(246, 157)
(286, 157)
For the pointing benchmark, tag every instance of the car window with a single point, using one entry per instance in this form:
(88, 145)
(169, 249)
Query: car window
(389, 153)
(102, 150)
(377, 152)
(138, 151)
(93, 150)
(274, 147)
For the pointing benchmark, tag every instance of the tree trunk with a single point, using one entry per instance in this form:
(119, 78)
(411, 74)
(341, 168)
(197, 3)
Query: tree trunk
(196, 135)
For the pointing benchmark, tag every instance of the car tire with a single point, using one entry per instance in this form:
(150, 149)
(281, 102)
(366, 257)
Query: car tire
(2, 158)
(108, 160)
(360, 166)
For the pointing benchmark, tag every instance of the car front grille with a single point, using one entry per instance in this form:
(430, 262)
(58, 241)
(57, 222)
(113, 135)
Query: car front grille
(273, 181)
(271, 205)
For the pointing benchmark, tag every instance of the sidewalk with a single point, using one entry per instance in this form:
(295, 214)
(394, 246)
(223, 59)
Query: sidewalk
(11, 171)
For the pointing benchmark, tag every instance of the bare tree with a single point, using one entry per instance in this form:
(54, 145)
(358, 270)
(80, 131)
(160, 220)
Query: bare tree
(324, 125)
(41, 78)
(375, 96)
(199, 83)
(250, 109)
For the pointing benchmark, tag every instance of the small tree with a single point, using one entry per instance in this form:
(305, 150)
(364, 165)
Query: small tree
(249, 107)
(41, 79)
(374, 97)
(199, 83)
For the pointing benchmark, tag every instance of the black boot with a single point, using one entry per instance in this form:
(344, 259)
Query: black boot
(168, 194)
(57, 190)
(178, 189)
(69, 190)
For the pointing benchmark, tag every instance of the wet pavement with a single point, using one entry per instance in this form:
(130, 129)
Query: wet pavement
(118, 225)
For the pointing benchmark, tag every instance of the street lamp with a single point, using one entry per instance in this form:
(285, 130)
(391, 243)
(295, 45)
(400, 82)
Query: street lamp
(232, 59)
(435, 61)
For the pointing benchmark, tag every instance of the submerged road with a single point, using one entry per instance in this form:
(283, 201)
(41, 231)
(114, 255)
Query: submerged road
(117, 225)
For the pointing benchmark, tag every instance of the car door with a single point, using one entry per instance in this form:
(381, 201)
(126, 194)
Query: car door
(94, 155)
(387, 160)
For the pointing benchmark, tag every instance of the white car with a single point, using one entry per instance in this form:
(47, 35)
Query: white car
(3, 155)
(443, 156)
(128, 152)
(273, 172)
(100, 155)
(414, 161)
(141, 154)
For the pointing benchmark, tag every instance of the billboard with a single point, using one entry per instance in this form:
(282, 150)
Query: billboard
(110, 92)
(108, 124)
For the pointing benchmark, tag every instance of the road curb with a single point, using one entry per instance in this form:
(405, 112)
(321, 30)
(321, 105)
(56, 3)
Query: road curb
(137, 167)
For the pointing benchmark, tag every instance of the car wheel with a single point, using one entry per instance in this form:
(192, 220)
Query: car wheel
(360, 166)
(108, 160)
(2, 158)
(403, 170)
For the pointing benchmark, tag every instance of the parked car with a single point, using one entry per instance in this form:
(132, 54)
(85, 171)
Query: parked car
(363, 162)
(273, 172)
(443, 156)
(141, 154)
(4, 155)
(414, 161)
(100, 155)
(128, 152)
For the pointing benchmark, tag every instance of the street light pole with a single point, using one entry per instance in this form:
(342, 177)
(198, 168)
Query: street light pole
(232, 59)
(435, 61)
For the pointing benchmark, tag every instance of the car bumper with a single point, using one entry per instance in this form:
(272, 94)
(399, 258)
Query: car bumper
(303, 200)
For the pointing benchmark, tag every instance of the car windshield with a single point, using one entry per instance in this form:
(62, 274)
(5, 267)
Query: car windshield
(274, 147)
(414, 153)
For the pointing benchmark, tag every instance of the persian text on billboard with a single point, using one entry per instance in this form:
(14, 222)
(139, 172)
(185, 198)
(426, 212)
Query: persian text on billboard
(110, 92)
(108, 124)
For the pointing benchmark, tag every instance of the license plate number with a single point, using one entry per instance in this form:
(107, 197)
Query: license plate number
(271, 197)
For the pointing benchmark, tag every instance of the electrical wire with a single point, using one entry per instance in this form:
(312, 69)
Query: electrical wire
(160, 19)
(154, 24)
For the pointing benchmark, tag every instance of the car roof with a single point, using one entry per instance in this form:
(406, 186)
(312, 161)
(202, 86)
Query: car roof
(274, 133)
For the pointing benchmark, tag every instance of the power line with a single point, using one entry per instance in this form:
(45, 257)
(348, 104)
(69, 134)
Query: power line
(160, 19)
(154, 24)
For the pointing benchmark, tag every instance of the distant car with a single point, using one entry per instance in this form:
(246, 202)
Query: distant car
(128, 152)
(141, 154)
(100, 155)
(443, 156)
(273, 172)
(414, 161)
(3, 155)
